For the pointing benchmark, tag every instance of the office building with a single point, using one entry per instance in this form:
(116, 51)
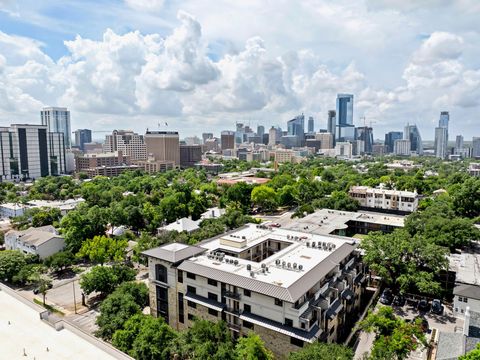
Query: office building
(227, 139)
(441, 136)
(206, 136)
(274, 136)
(82, 136)
(459, 146)
(385, 199)
(311, 125)
(57, 119)
(474, 169)
(152, 166)
(128, 142)
(390, 139)
(296, 129)
(379, 149)
(326, 140)
(31, 152)
(331, 122)
(345, 131)
(402, 147)
(260, 131)
(290, 287)
(211, 144)
(476, 147)
(344, 149)
(163, 146)
(413, 134)
(190, 155)
(104, 164)
(365, 134)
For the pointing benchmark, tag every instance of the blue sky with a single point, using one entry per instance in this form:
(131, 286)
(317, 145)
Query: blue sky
(206, 64)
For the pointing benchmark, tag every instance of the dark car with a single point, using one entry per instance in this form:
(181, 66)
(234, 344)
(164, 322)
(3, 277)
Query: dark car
(437, 307)
(387, 297)
(399, 300)
(423, 305)
(37, 290)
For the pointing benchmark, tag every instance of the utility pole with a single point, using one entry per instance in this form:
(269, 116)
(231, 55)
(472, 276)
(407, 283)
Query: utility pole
(74, 300)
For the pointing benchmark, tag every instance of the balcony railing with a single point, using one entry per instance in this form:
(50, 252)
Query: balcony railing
(231, 294)
(234, 327)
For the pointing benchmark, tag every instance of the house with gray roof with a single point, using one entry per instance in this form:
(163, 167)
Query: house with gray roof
(42, 241)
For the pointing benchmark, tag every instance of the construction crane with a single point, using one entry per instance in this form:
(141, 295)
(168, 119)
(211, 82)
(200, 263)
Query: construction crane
(365, 121)
(96, 131)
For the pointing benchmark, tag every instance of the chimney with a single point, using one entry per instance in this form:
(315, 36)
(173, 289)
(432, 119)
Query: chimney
(466, 325)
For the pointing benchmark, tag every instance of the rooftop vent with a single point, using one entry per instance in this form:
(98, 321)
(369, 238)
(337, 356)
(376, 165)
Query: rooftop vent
(263, 266)
(283, 263)
(236, 262)
(252, 274)
(313, 244)
(294, 265)
(249, 267)
(300, 267)
(289, 265)
(277, 262)
(308, 243)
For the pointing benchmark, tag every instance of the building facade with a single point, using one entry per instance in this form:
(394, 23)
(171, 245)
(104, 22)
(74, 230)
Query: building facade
(441, 136)
(190, 155)
(345, 131)
(82, 137)
(413, 134)
(289, 287)
(385, 199)
(227, 139)
(57, 119)
(163, 146)
(128, 142)
(42, 241)
(402, 147)
(390, 139)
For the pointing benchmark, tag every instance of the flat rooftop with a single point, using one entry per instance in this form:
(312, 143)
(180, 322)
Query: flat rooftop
(326, 221)
(27, 331)
(466, 265)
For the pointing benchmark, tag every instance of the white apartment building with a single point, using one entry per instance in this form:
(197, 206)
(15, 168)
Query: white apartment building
(128, 142)
(385, 199)
(30, 152)
(42, 241)
(343, 149)
(289, 287)
(402, 147)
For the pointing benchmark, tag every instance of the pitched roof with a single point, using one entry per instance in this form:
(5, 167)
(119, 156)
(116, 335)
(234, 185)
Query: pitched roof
(183, 224)
(36, 236)
(174, 252)
(469, 291)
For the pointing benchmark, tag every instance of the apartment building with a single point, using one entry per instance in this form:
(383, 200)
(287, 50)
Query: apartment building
(128, 142)
(385, 199)
(290, 287)
(104, 164)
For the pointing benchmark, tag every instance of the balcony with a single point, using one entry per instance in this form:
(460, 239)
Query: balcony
(232, 311)
(234, 327)
(231, 294)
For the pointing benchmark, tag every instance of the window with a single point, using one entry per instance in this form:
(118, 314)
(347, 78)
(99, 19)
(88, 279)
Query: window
(278, 302)
(247, 308)
(180, 276)
(192, 304)
(213, 296)
(212, 282)
(191, 289)
(162, 302)
(288, 322)
(191, 276)
(213, 312)
(296, 342)
(161, 273)
(247, 324)
(181, 313)
(247, 292)
(191, 317)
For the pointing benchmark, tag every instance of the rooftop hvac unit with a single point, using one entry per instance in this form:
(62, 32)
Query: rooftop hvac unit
(236, 262)
(313, 244)
(252, 274)
(249, 267)
(263, 266)
(283, 263)
(266, 268)
(300, 267)
(244, 238)
(308, 243)
(277, 262)
(294, 265)
(289, 265)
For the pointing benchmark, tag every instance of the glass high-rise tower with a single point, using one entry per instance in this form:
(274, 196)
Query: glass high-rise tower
(441, 135)
(345, 131)
(57, 119)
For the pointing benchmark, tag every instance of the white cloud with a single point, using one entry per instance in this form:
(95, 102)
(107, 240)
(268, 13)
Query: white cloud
(145, 5)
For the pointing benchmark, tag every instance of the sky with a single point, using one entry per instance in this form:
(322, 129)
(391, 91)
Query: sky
(202, 65)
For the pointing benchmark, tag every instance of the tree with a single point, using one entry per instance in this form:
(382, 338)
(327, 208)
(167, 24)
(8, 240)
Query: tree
(404, 261)
(60, 261)
(27, 274)
(472, 355)
(139, 292)
(395, 338)
(11, 262)
(239, 193)
(264, 197)
(42, 282)
(205, 340)
(466, 200)
(104, 279)
(322, 351)
(252, 347)
(101, 249)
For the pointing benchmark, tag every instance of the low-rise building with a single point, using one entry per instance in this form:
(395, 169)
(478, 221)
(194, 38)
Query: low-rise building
(42, 241)
(153, 166)
(9, 210)
(290, 287)
(385, 199)
(474, 169)
(184, 224)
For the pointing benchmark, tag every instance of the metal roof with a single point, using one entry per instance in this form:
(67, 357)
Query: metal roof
(212, 304)
(165, 252)
(290, 294)
(469, 291)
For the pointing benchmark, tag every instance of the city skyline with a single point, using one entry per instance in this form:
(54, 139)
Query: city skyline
(143, 63)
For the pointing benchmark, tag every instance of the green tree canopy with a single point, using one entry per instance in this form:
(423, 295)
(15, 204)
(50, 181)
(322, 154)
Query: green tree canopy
(11, 262)
(102, 249)
(472, 355)
(322, 351)
(104, 279)
(251, 347)
(264, 197)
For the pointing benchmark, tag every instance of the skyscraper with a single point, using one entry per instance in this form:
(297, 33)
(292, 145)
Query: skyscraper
(163, 145)
(311, 125)
(128, 142)
(441, 136)
(260, 130)
(83, 136)
(57, 119)
(476, 147)
(365, 134)
(411, 133)
(390, 138)
(295, 131)
(227, 139)
(345, 131)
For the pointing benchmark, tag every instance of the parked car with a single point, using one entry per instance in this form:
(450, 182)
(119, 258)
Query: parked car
(277, 225)
(423, 305)
(437, 307)
(37, 290)
(387, 297)
(399, 300)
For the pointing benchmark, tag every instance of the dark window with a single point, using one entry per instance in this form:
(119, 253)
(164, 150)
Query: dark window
(192, 304)
(247, 324)
(212, 282)
(296, 342)
(162, 302)
(213, 296)
(247, 292)
(289, 322)
(191, 317)
(161, 273)
(191, 289)
(190, 275)
(213, 312)
(247, 308)
(180, 276)
(278, 302)
(181, 311)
